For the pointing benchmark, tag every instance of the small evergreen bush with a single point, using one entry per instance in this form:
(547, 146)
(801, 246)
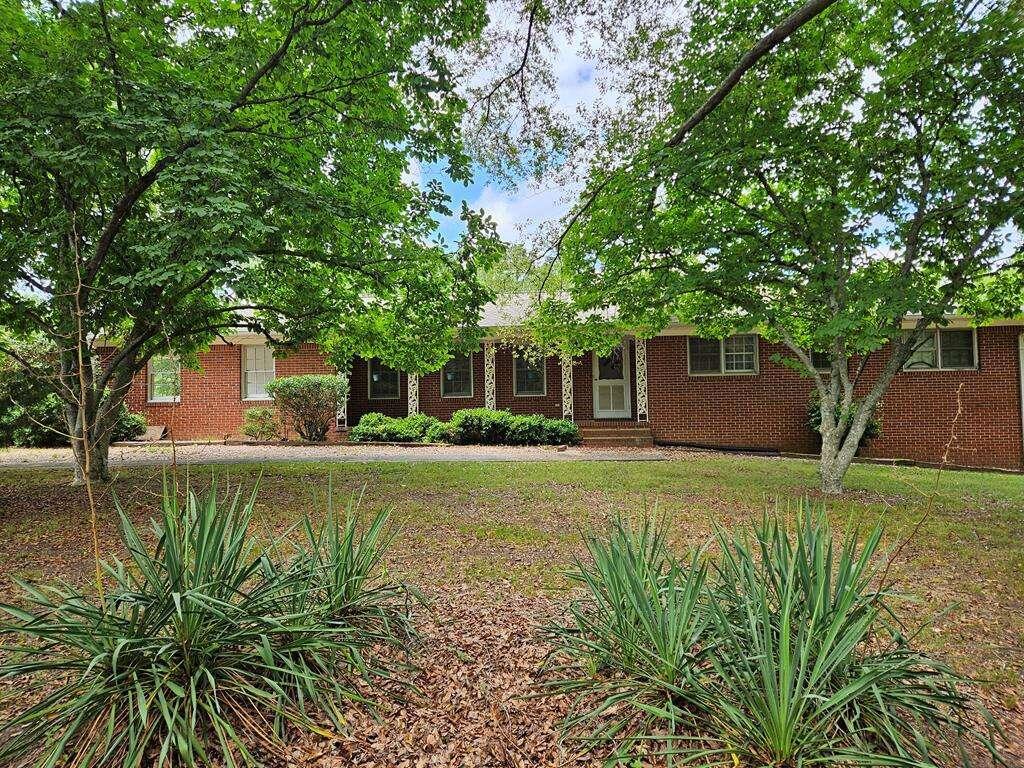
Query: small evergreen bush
(261, 423)
(310, 402)
(484, 426)
(378, 428)
(871, 432)
(441, 432)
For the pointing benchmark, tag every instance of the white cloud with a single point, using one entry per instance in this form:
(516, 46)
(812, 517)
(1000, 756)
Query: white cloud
(521, 213)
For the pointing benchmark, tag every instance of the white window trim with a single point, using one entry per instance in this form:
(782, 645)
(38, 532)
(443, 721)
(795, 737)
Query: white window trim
(515, 378)
(938, 354)
(369, 384)
(245, 396)
(472, 384)
(149, 385)
(721, 358)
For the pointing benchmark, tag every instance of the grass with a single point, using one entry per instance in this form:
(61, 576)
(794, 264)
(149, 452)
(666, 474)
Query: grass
(513, 526)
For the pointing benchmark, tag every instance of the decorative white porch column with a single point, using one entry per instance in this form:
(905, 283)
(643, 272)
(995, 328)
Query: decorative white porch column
(641, 379)
(490, 398)
(566, 387)
(341, 417)
(413, 386)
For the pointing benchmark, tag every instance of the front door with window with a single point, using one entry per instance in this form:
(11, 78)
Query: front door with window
(611, 385)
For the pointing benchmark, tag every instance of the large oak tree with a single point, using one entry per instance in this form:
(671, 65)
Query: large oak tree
(866, 172)
(172, 171)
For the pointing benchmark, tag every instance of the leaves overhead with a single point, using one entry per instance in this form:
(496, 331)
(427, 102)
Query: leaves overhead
(204, 164)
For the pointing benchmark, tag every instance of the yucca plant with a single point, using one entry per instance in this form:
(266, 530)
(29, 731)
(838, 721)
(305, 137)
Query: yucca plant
(787, 653)
(811, 666)
(340, 567)
(203, 647)
(638, 637)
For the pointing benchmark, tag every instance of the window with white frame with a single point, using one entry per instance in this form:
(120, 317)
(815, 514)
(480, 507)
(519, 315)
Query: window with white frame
(257, 371)
(945, 349)
(382, 381)
(530, 376)
(163, 379)
(733, 355)
(457, 377)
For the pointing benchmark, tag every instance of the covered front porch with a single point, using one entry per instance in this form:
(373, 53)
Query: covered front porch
(605, 394)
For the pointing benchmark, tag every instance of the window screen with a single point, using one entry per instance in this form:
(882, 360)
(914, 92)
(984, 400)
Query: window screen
(164, 379)
(705, 355)
(957, 349)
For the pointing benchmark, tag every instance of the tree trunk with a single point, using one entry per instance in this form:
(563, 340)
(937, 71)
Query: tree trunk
(92, 449)
(98, 462)
(838, 449)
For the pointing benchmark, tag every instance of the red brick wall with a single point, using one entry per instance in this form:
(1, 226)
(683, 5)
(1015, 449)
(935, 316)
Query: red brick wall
(919, 412)
(211, 403)
(768, 411)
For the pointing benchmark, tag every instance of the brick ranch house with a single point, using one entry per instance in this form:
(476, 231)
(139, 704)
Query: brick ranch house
(959, 399)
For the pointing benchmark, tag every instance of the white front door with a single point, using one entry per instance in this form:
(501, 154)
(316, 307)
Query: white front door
(611, 385)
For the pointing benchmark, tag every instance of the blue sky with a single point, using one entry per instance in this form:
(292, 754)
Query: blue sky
(518, 211)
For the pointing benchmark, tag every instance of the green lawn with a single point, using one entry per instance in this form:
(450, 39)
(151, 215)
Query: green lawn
(514, 526)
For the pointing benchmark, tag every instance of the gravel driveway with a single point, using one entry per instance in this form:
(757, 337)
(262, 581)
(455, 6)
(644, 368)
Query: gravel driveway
(218, 453)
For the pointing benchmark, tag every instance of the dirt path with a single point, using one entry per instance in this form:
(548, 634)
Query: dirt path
(218, 453)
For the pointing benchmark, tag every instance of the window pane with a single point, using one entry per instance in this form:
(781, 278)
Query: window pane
(821, 361)
(529, 376)
(610, 366)
(923, 357)
(740, 353)
(957, 349)
(164, 378)
(457, 377)
(705, 355)
(383, 381)
(258, 369)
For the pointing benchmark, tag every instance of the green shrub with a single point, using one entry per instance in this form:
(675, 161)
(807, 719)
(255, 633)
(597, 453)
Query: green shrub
(786, 654)
(129, 425)
(39, 421)
(261, 423)
(376, 427)
(203, 644)
(33, 420)
(480, 426)
(485, 426)
(310, 402)
(441, 432)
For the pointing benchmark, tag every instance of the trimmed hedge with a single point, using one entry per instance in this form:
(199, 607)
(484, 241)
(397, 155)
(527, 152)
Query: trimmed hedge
(470, 426)
(378, 428)
(310, 402)
(482, 426)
